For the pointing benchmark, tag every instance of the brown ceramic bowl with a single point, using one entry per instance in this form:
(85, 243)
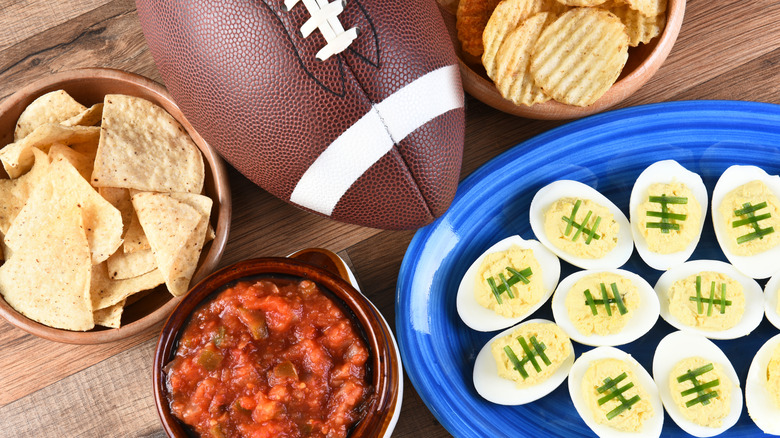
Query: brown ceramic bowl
(384, 369)
(643, 62)
(88, 86)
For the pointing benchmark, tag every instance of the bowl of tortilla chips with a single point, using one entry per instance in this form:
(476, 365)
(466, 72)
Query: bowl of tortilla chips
(111, 206)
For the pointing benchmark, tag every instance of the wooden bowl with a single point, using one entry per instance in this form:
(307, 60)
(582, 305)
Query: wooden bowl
(385, 372)
(643, 62)
(88, 86)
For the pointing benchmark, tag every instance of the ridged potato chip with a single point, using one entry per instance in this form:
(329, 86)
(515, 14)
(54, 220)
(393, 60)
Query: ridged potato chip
(507, 16)
(513, 77)
(576, 3)
(471, 18)
(580, 55)
(648, 8)
(640, 28)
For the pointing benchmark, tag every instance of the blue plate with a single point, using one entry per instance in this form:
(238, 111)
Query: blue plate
(607, 152)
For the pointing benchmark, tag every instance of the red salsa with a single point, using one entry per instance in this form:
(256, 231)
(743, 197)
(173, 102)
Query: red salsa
(270, 358)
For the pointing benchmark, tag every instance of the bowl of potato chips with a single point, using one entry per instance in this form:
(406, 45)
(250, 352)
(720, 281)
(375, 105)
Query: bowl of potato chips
(559, 59)
(111, 206)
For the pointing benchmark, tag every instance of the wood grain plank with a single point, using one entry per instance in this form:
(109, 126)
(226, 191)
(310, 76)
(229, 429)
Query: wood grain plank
(716, 37)
(23, 19)
(110, 399)
(108, 36)
(43, 362)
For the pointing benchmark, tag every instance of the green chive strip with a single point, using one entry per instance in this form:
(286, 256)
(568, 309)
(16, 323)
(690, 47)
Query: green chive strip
(712, 299)
(615, 393)
(701, 387)
(695, 373)
(496, 292)
(664, 226)
(529, 354)
(589, 301)
(722, 298)
(520, 275)
(669, 199)
(750, 220)
(699, 310)
(747, 208)
(728, 302)
(703, 399)
(540, 350)
(609, 383)
(668, 215)
(755, 235)
(573, 217)
(624, 406)
(619, 300)
(592, 231)
(515, 362)
(506, 285)
(606, 299)
(580, 227)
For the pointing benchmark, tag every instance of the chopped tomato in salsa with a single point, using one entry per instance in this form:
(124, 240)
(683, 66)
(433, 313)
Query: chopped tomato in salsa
(271, 358)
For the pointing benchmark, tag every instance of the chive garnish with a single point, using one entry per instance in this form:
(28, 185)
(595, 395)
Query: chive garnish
(618, 299)
(582, 228)
(590, 302)
(606, 299)
(494, 289)
(612, 391)
(506, 283)
(723, 302)
(538, 350)
(666, 216)
(752, 220)
(699, 388)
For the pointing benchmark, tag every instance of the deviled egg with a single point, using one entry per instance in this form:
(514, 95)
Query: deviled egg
(698, 385)
(523, 363)
(746, 217)
(668, 207)
(605, 307)
(580, 225)
(762, 388)
(771, 303)
(615, 395)
(527, 268)
(711, 298)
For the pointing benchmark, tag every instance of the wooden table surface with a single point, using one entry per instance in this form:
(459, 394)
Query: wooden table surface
(727, 49)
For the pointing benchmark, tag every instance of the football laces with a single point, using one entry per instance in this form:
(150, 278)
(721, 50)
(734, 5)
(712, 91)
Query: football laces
(324, 16)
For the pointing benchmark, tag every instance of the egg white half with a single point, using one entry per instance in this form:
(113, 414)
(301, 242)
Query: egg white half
(485, 320)
(757, 398)
(754, 298)
(760, 265)
(651, 428)
(677, 346)
(770, 300)
(665, 172)
(503, 391)
(643, 320)
(554, 191)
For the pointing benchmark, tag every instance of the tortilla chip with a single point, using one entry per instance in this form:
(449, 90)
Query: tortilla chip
(210, 234)
(106, 292)
(123, 265)
(111, 316)
(143, 147)
(176, 231)
(135, 239)
(88, 148)
(120, 199)
(89, 117)
(15, 192)
(103, 222)
(54, 107)
(17, 157)
(81, 162)
(49, 283)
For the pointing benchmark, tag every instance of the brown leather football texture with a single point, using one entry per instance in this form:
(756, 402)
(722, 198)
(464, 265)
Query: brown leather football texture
(353, 110)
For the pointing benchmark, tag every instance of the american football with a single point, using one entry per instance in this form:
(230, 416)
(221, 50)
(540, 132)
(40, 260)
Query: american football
(350, 109)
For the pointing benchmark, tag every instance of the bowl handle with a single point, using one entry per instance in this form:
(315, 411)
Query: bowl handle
(325, 259)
